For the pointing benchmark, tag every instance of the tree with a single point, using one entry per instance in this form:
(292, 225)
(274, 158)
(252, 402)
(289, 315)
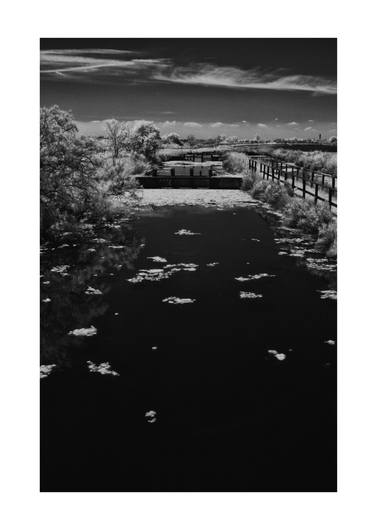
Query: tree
(142, 138)
(67, 167)
(173, 138)
(220, 139)
(191, 140)
(116, 137)
(333, 139)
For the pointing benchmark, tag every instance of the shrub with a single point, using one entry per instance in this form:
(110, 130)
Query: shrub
(327, 239)
(236, 163)
(307, 216)
(248, 181)
(272, 193)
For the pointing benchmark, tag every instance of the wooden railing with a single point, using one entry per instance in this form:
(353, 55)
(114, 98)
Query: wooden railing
(320, 186)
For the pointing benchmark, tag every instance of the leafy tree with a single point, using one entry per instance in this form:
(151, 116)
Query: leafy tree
(142, 138)
(333, 139)
(67, 167)
(191, 140)
(173, 138)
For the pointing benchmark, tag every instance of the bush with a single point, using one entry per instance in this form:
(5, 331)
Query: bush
(248, 181)
(272, 193)
(307, 216)
(327, 239)
(236, 163)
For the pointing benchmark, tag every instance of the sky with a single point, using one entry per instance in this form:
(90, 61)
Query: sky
(274, 88)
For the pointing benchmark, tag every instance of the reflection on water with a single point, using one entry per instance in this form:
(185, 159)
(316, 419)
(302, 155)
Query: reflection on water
(75, 277)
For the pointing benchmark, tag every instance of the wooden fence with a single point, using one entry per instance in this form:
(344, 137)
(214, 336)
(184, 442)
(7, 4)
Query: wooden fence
(308, 182)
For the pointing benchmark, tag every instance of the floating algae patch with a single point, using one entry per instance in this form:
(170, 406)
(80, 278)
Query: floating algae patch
(329, 294)
(61, 269)
(177, 301)
(92, 291)
(278, 355)
(84, 332)
(102, 368)
(150, 275)
(157, 259)
(46, 370)
(250, 295)
(185, 232)
(251, 277)
(150, 416)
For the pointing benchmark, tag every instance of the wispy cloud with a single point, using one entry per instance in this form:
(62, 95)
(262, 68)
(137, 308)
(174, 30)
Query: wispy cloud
(216, 124)
(292, 123)
(64, 62)
(231, 77)
(307, 129)
(111, 62)
(262, 125)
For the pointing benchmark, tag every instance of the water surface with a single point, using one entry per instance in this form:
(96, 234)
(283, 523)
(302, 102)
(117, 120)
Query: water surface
(229, 415)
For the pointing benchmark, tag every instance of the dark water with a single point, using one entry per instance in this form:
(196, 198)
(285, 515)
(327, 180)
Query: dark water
(230, 416)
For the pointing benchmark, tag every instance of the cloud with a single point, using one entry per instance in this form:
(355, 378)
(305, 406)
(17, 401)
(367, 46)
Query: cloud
(262, 125)
(292, 123)
(111, 62)
(307, 129)
(192, 124)
(232, 77)
(64, 62)
(310, 121)
(217, 124)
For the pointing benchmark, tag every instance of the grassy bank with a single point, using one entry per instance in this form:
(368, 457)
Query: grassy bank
(314, 219)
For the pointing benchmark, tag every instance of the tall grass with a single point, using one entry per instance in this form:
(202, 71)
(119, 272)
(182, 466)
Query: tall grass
(316, 160)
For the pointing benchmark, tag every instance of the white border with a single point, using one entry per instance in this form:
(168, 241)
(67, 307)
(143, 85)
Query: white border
(23, 24)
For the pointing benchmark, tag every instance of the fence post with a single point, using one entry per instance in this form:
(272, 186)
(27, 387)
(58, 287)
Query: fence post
(323, 176)
(312, 178)
(316, 193)
(293, 179)
(303, 188)
(333, 181)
